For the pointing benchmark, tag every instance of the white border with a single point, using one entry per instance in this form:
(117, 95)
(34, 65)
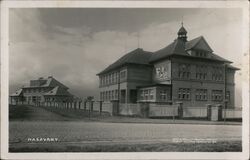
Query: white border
(244, 5)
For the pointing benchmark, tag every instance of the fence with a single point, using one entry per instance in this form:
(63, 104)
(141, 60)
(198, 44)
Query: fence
(129, 109)
(195, 112)
(156, 110)
(153, 110)
(232, 113)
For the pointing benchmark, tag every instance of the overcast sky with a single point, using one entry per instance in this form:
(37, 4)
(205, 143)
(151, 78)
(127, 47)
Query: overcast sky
(73, 45)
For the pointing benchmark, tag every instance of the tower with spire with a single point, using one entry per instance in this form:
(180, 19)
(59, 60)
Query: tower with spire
(182, 33)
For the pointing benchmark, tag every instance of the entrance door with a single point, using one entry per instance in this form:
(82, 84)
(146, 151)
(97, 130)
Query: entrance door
(133, 96)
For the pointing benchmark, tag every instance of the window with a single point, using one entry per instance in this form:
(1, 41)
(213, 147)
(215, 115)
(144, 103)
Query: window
(201, 94)
(123, 74)
(106, 95)
(39, 99)
(228, 95)
(151, 94)
(146, 94)
(200, 53)
(217, 95)
(33, 98)
(217, 74)
(109, 98)
(163, 95)
(116, 94)
(115, 78)
(184, 71)
(113, 95)
(184, 93)
(201, 72)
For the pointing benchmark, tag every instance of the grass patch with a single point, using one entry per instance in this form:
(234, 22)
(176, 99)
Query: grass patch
(224, 146)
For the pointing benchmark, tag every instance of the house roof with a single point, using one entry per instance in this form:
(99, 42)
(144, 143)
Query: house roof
(232, 67)
(194, 42)
(176, 47)
(50, 82)
(59, 91)
(17, 93)
(182, 30)
(137, 56)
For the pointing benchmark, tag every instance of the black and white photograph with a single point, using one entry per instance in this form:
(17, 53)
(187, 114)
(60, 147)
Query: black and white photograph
(128, 79)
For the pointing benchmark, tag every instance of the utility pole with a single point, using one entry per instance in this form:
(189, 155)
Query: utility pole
(225, 90)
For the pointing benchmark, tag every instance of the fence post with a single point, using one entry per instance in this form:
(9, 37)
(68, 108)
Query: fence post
(180, 109)
(91, 105)
(79, 104)
(85, 104)
(100, 107)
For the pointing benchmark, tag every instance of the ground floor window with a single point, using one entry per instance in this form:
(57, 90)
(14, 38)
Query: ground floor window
(163, 95)
(109, 95)
(201, 94)
(147, 94)
(184, 93)
(217, 95)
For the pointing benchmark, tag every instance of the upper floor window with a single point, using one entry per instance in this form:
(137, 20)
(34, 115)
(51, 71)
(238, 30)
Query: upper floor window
(200, 53)
(201, 72)
(184, 93)
(217, 73)
(184, 71)
(123, 74)
(228, 95)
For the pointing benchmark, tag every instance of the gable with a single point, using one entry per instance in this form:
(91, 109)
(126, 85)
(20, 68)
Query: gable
(202, 45)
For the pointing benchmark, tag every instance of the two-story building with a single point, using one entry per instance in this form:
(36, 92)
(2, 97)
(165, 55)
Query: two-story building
(42, 90)
(186, 71)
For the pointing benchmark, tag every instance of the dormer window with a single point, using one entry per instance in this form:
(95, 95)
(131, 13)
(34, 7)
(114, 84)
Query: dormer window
(200, 54)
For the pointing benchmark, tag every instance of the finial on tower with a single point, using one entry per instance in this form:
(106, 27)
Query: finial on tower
(182, 33)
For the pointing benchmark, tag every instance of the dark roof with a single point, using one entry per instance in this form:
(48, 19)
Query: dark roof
(50, 82)
(176, 47)
(218, 58)
(17, 93)
(182, 30)
(137, 56)
(192, 43)
(59, 91)
(232, 67)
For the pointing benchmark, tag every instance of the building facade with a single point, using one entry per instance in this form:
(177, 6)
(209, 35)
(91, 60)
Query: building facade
(42, 90)
(184, 71)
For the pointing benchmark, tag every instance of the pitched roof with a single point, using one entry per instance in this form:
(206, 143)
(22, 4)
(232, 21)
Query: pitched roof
(218, 58)
(17, 93)
(50, 82)
(59, 91)
(194, 42)
(182, 30)
(176, 47)
(232, 67)
(137, 56)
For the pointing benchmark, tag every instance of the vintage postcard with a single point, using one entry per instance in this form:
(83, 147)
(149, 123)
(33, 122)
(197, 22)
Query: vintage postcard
(124, 80)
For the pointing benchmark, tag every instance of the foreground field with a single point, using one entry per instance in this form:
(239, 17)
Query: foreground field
(223, 146)
(98, 136)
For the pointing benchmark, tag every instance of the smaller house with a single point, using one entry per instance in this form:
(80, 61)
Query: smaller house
(42, 90)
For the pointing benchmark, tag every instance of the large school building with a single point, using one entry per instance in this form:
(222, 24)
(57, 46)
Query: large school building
(184, 71)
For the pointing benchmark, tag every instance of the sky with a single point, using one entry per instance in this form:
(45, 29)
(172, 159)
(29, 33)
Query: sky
(74, 44)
